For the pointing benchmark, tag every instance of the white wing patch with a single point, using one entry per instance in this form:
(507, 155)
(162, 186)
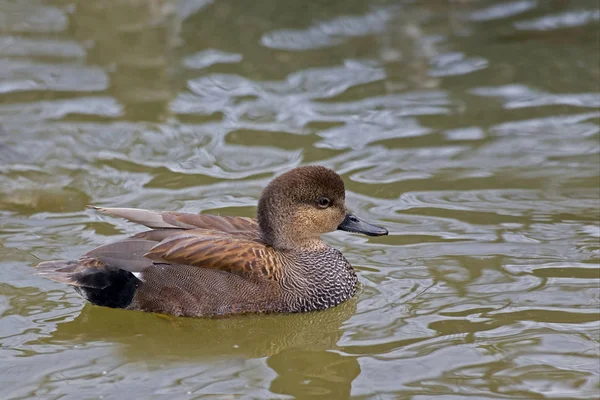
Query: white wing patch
(139, 276)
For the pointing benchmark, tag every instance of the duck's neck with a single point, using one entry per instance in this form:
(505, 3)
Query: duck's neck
(295, 244)
(280, 231)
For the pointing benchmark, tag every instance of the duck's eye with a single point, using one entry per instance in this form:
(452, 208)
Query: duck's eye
(323, 202)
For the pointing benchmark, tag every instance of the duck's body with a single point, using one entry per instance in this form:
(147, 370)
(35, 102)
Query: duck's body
(206, 265)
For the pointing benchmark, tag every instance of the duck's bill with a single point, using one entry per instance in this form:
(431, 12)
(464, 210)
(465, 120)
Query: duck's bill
(353, 224)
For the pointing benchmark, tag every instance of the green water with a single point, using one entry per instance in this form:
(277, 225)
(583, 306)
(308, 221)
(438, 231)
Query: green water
(469, 129)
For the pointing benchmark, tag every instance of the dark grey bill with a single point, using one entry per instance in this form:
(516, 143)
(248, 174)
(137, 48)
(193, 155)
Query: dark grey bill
(352, 224)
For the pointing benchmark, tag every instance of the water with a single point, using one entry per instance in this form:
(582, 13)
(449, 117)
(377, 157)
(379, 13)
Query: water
(470, 129)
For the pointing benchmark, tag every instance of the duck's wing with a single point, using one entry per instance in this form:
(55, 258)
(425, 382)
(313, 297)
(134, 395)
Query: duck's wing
(178, 220)
(217, 250)
(237, 252)
(201, 248)
(128, 254)
(174, 241)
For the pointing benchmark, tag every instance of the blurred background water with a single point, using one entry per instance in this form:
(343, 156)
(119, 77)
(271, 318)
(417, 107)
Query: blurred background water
(469, 128)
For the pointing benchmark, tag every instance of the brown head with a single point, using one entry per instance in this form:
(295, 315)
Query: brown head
(296, 208)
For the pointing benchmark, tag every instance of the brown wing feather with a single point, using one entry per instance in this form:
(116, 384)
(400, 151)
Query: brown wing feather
(223, 223)
(229, 244)
(167, 219)
(217, 250)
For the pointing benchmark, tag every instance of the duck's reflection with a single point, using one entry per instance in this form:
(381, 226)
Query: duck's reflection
(300, 348)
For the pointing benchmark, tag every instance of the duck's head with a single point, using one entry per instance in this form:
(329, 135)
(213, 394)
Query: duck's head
(296, 208)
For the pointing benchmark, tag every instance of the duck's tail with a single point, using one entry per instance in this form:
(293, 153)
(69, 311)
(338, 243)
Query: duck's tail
(99, 283)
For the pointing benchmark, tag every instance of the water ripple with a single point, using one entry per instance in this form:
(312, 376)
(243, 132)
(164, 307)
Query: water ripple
(504, 10)
(210, 57)
(449, 64)
(106, 107)
(18, 76)
(327, 33)
(519, 96)
(29, 17)
(17, 46)
(564, 20)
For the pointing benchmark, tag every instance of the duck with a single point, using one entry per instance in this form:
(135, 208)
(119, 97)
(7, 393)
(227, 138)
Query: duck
(205, 265)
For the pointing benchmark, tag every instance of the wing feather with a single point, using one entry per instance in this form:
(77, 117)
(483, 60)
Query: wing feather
(217, 250)
(171, 219)
(225, 243)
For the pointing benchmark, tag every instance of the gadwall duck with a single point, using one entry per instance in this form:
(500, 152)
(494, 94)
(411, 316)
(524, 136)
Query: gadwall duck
(206, 265)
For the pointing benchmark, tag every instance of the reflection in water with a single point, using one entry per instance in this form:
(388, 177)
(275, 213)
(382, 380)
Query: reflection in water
(251, 336)
(304, 341)
(135, 47)
(469, 129)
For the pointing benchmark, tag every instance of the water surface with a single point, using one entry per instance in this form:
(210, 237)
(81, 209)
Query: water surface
(470, 129)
